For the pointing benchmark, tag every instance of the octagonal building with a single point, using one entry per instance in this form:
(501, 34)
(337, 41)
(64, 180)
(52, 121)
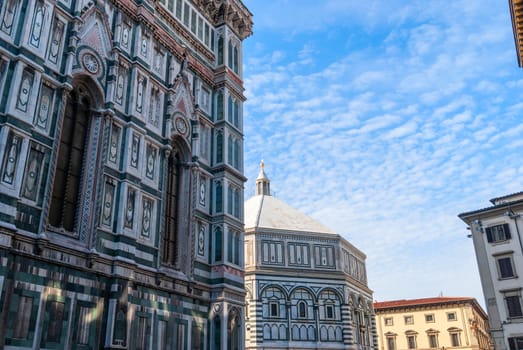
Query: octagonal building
(306, 286)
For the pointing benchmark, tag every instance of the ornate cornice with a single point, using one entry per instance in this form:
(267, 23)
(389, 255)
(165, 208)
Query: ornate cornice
(516, 14)
(231, 12)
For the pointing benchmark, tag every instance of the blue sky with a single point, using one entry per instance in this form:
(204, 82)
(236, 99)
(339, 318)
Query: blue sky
(384, 120)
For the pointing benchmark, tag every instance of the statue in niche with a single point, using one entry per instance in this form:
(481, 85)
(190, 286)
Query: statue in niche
(56, 39)
(113, 146)
(38, 22)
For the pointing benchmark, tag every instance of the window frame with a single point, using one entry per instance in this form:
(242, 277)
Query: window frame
(515, 301)
(452, 316)
(506, 257)
(498, 233)
(429, 318)
(408, 319)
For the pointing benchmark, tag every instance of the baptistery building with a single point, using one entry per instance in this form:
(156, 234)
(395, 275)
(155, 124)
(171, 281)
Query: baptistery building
(121, 174)
(306, 286)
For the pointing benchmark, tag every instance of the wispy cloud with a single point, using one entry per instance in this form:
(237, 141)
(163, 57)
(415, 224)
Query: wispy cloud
(384, 120)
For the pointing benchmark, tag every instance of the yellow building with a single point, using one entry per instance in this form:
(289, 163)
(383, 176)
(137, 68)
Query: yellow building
(432, 323)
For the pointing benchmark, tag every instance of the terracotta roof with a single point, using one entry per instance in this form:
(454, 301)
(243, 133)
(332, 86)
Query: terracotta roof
(419, 302)
(516, 15)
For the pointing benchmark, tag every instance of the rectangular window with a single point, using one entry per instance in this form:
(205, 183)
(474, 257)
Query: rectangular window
(429, 318)
(56, 316)
(141, 335)
(273, 309)
(162, 335)
(451, 316)
(23, 318)
(389, 321)
(513, 301)
(433, 341)
(505, 267)
(411, 341)
(329, 312)
(409, 319)
(454, 339)
(497, 233)
(84, 320)
(179, 9)
(391, 343)
(515, 343)
(186, 14)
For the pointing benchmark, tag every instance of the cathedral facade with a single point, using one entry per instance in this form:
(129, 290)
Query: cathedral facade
(121, 174)
(306, 286)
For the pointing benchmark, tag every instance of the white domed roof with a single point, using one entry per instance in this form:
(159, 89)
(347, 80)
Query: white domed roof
(266, 211)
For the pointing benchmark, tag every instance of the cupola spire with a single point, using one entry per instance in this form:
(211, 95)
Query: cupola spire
(263, 184)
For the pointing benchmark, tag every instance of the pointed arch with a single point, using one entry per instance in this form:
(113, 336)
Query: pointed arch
(77, 153)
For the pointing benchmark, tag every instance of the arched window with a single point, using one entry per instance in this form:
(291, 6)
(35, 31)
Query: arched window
(218, 237)
(172, 188)
(220, 50)
(219, 197)
(229, 54)
(235, 60)
(302, 309)
(233, 331)
(70, 162)
(230, 109)
(217, 338)
(219, 147)
(219, 105)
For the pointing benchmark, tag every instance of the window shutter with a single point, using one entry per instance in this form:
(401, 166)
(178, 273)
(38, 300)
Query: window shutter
(507, 231)
(489, 234)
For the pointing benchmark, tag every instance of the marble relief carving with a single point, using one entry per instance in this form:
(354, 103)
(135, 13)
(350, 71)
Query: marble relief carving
(44, 107)
(129, 209)
(135, 151)
(107, 208)
(11, 157)
(25, 90)
(38, 23)
(114, 144)
(32, 174)
(140, 89)
(150, 162)
(146, 217)
(119, 92)
(56, 41)
(9, 15)
(201, 240)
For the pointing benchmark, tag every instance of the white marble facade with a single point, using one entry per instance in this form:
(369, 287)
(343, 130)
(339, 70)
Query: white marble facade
(306, 285)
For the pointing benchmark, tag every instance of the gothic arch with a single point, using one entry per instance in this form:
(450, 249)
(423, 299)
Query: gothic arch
(76, 165)
(178, 205)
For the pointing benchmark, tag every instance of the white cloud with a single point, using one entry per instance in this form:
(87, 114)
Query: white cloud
(387, 141)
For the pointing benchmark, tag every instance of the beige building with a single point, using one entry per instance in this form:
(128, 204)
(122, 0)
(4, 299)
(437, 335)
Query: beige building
(431, 323)
(495, 232)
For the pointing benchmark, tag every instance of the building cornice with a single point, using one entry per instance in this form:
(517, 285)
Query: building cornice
(516, 14)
